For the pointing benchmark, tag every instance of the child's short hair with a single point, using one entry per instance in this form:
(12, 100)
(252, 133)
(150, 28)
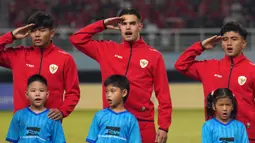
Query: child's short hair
(36, 77)
(217, 94)
(119, 81)
(41, 19)
(235, 27)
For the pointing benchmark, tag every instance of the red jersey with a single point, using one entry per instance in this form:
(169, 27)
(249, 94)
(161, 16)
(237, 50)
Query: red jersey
(57, 66)
(142, 65)
(237, 74)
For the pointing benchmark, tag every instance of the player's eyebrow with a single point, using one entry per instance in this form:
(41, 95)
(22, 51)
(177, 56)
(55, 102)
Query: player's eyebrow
(130, 22)
(230, 37)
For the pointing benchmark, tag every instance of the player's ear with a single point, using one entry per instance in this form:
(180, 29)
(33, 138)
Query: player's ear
(140, 25)
(124, 92)
(48, 93)
(213, 107)
(52, 33)
(26, 94)
(244, 43)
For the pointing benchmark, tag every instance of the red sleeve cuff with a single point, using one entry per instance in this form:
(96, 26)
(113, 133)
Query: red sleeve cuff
(166, 130)
(65, 114)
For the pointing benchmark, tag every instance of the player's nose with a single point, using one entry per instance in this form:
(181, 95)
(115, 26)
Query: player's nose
(128, 26)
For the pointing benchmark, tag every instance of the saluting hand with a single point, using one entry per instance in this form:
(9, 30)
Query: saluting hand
(22, 32)
(110, 23)
(211, 42)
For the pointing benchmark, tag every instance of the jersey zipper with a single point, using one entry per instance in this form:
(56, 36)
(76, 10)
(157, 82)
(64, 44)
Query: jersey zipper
(230, 73)
(40, 68)
(129, 59)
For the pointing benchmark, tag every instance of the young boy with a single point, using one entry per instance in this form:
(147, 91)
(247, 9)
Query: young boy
(115, 124)
(32, 124)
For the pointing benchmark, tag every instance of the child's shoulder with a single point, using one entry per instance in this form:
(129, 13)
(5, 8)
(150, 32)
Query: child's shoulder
(130, 114)
(21, 112)
(102, 112)
(238, 123)
(209, 122)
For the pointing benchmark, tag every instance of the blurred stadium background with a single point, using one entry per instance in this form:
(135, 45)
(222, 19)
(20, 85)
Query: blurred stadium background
(170, 26)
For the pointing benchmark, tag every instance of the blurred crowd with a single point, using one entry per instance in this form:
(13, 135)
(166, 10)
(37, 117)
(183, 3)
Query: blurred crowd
(155, 13)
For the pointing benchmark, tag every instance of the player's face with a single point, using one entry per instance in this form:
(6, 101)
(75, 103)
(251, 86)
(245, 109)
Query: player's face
(130, 28)
(233, 44)
(114, 96)
(41, 36)
(223, 109)
(37, 94)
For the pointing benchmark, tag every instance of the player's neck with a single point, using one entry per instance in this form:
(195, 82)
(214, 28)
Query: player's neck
(117, 109)
(37, 109)
(223, 121)
(132, 42)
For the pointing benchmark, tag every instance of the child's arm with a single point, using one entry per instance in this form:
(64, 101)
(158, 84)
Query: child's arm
(58, 135)
(93, 131)
(206, 134)
(134, 132)
(13, 131)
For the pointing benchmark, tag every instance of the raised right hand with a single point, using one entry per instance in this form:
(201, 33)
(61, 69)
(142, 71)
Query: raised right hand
(211, 42)
(22, 32)
(111, 22)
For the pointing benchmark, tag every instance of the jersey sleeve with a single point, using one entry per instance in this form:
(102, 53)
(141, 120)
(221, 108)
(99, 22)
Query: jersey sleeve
(93, 131)
(8, 55)
(206, 134)
(134, 133)
(58, 133)
(13, 131)
(243, 135)
(187, 64)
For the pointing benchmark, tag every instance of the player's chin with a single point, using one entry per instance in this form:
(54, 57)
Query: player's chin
(231, 54)
(129, 39)
(37, 104)
(38, 44)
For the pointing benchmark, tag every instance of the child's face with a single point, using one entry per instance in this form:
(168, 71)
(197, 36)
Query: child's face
(114, 96)
(37, 93)
(223, 109)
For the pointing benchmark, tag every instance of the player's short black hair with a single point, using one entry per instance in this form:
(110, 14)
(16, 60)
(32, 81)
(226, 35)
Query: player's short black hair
(130, 11)
(218, 94)
(235, 27)
(119, 81)
(36, 77)
(41, 19)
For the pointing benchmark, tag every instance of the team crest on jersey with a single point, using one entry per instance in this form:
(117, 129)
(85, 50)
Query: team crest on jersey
(53, 68)
(143, 63)
(242, 80)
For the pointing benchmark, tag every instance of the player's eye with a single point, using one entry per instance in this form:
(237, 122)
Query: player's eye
(123, 23)
(224, 39)
(132, 23)
(42, 29)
